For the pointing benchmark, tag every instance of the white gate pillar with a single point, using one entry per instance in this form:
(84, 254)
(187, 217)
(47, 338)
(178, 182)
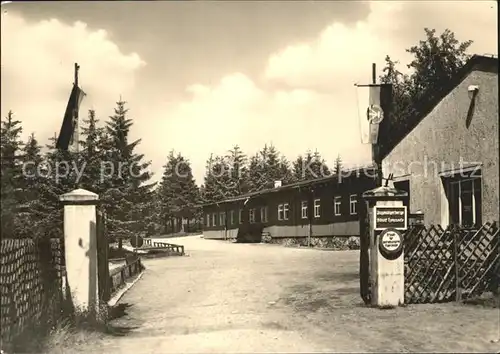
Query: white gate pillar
(80, 245)
(388, 221)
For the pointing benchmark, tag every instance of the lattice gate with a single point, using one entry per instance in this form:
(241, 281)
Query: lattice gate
(450, 264)
(102, 255)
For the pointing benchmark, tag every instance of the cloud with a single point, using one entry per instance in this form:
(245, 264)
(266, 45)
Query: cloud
(37, 70)
(306, 97)
(344, 53)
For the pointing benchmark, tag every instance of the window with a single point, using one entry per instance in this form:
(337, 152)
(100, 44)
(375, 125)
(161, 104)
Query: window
(283, 211)
(231, 217)
(222, 219)
(207, 223)
(464, 201)
(303, 208)
(214, 219)
(240, 216)
(353, 203)
(337, 204)
(263, 214)
(317, 206)
(251, 216)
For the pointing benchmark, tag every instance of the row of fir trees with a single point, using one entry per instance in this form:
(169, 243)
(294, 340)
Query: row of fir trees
(236, 173)
(233, 174)
(33, 178)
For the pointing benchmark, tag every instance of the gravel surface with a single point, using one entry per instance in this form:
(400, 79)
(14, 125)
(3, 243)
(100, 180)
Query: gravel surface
(243, 298)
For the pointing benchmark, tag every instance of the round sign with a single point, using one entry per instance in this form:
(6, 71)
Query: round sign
(391, 243)
(375, 114)
(136, 241)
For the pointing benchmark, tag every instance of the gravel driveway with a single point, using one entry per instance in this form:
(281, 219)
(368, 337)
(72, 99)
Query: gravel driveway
(236, 298)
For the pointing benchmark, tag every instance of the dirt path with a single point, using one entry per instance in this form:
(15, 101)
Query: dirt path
(234, 298)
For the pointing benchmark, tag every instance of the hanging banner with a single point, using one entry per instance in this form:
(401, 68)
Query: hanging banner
(373, 103)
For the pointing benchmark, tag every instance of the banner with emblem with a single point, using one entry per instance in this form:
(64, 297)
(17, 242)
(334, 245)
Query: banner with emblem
(374, 103)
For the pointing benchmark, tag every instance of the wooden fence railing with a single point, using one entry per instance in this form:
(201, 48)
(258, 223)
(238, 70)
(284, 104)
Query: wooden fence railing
(179, 249)
(118, 277)
(453, 263)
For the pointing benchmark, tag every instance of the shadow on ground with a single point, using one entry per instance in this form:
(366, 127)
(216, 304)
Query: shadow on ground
(115, 313)
(324, 291)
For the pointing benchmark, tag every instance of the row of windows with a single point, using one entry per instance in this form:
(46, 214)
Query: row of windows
(283, 212)
(337, 203)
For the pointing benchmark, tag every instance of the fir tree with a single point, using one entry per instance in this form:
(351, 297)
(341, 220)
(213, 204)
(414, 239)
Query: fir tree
(257, 179)
(10, 172)
(33, 213)
(59, 177)
(311, 166)
(218, 184)
(179, 194)
(338, 166)
(237, 172)
(128, 200)
(208, 191)
(168, 189)
(92, 155)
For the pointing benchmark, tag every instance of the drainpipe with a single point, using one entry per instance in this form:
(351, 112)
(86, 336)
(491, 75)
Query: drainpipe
(225, 223)
(310, 214)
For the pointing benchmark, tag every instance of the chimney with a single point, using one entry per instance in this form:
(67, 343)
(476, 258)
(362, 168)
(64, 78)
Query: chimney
(277, 184)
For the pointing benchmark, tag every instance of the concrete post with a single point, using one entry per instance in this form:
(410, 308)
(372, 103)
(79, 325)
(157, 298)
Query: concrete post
(388, 219)
(80, 243)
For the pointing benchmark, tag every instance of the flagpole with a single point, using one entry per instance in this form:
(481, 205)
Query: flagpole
(375, 145)
(76, 132)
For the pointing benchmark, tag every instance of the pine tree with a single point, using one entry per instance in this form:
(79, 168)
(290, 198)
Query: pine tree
(311, 166)
(285, 171)
(128, 200)
(272, 166)
(257, 179)
(31, 220)
(168, 190)
(218, 183)
(319, 165)
(59, 177)
(298, 170)
(338, 166)
(10, 173)
(187, 199)
(92, 154)
(238, 172)
(209, 188)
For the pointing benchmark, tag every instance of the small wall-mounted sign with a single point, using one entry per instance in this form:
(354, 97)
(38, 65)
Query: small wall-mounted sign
(390, 243)
(390, 217)
(136, 241)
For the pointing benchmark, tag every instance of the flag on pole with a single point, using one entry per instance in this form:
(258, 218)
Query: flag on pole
(374, 102)
(70, 121)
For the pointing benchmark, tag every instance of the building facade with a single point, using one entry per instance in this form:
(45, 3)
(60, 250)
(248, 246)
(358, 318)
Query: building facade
(449, 161)
(311, 212)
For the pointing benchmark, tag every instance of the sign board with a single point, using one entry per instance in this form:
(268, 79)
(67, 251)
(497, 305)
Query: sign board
(390, 243)
(136, 241)
(390, 217)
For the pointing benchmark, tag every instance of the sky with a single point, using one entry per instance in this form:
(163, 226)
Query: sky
(202, 76)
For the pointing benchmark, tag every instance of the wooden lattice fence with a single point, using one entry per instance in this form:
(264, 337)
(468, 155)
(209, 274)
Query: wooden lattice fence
(450, 264)
(31, 276)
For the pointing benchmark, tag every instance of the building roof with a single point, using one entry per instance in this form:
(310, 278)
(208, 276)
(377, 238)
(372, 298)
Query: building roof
(296, 185)
(432, 99)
